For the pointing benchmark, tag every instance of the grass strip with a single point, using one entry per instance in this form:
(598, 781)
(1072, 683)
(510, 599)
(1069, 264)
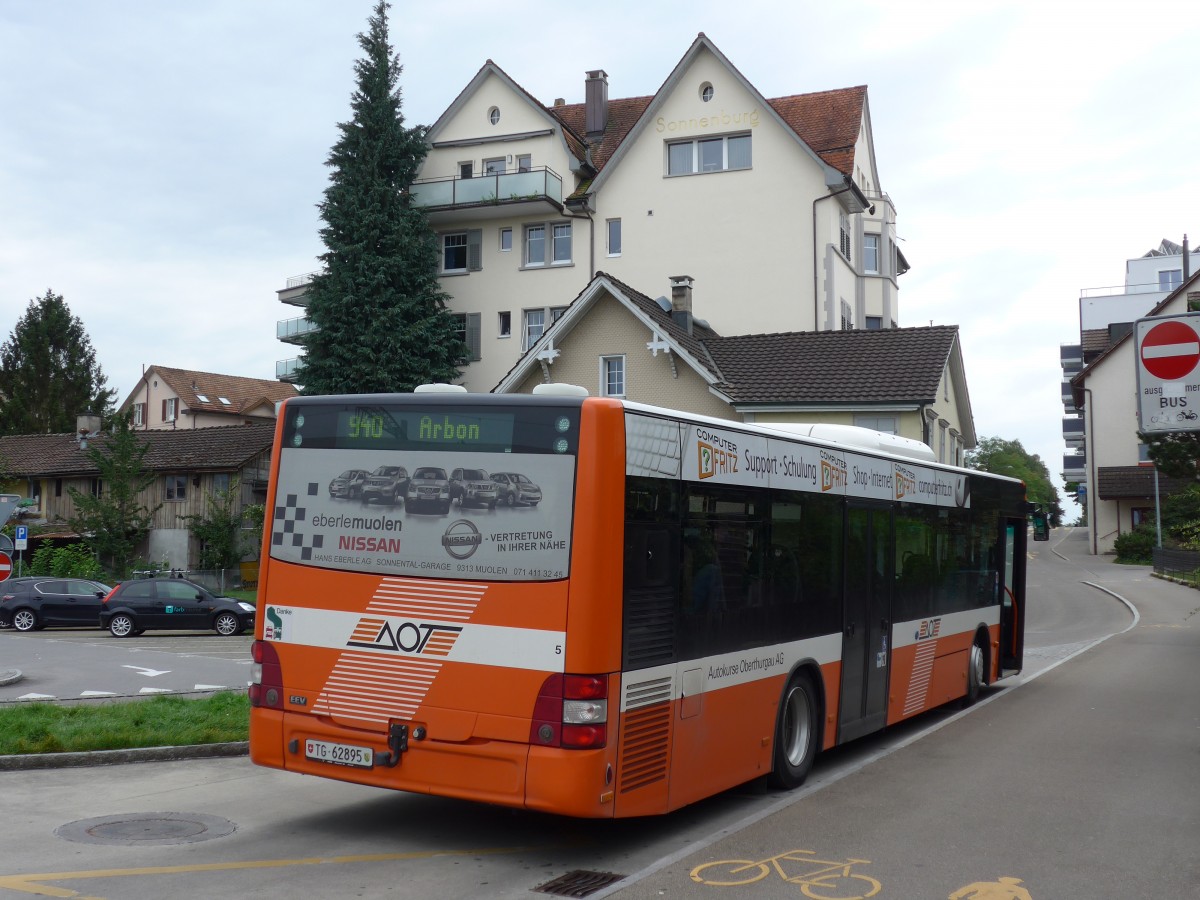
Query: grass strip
(156, 722)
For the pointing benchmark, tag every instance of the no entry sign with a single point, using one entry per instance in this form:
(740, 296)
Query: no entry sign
(1168, 373)
(6, 566)
(1170, 350)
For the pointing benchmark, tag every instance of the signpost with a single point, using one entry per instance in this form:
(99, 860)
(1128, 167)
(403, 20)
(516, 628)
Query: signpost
(1168, 373)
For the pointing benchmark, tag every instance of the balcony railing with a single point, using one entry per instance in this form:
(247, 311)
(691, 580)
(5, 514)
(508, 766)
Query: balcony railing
(285, 369)
(510, 187)
(1072, 425)
(1075, 463)
(298, 280)
(292, 329)
(1117, 290)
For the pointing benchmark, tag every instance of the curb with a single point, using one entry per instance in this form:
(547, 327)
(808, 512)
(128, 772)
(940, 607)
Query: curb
(117, 757)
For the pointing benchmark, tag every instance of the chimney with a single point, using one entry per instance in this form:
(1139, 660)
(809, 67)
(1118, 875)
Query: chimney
(681, 301)
(595, 97)
(1187, 260)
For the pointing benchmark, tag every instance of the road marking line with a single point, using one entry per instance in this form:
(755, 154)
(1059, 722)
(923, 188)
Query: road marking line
(28, 884)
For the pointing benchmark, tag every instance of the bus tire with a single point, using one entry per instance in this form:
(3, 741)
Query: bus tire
(797, 729)
(976, 661)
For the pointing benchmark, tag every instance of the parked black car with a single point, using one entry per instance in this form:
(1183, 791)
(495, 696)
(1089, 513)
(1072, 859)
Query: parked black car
(35, 602)
(171, 603)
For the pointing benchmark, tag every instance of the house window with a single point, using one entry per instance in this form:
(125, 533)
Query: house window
(467, 325)
(537, 321)
(96, 486)
(886, 424)
(612, 376)
(454, 252)
(139, 414)
(706, 92)
(871, 254)
(709, 155)
(494, 115)
(535, 325)
(505, 240)
(844, 235)
(525, 163)
(175, 487)
(1141, 515)
(1144, 454)
(874, 323)
(57, 487)
(466, 169)
(562, 244)
(1170, 279)
(535, 244)
(942, 441)
(847, 317)
(169, 409)
(493, 166)
(504, 325)
(220, 483)
(462, 251)
(614, 237)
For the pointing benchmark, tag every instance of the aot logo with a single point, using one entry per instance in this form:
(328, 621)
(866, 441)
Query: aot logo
(930, 628)
(419, 638)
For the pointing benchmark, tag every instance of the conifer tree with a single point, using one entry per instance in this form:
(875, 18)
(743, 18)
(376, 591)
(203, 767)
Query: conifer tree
(48, 371)
(380, 314)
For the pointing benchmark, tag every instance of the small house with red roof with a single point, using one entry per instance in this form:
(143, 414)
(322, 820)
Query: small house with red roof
(168, 398)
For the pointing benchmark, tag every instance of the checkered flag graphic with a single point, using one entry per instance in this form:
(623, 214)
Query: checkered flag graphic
(286, 530)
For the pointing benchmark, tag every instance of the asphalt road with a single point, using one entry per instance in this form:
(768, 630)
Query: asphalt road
(1078, 778)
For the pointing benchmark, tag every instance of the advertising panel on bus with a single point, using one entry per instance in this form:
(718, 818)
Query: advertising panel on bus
(432, 538)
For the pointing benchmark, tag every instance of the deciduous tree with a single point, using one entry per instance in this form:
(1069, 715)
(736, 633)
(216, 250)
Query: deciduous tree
(1002, 457)
(380, 314)
(115, 521)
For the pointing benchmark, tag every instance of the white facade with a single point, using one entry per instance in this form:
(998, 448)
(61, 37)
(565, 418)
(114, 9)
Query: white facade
(706, 177)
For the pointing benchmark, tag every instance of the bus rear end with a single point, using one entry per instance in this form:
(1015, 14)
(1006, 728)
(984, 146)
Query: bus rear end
(417, 638)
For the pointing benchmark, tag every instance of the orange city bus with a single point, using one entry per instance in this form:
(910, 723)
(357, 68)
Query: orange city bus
(593, 607)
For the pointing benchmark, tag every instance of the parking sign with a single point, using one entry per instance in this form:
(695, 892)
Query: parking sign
(22, 541)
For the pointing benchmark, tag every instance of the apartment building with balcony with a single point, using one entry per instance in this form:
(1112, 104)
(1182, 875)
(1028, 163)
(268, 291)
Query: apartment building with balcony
(1122, 484)
(773, 204)
(1106, 316)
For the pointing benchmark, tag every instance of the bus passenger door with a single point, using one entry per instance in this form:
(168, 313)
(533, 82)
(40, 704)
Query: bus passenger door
(1012, 597)
(866, 620)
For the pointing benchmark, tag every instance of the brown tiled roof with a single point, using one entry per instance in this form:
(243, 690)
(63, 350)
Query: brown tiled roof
(828, 121)
(833, 367)
(1131, 482)
(243, 394)
(52, 455)
(1093, 341)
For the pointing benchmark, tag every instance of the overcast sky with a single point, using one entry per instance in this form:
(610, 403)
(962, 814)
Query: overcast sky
(161, 162)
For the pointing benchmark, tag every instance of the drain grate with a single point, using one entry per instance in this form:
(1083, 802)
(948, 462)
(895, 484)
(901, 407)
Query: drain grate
(579, 883)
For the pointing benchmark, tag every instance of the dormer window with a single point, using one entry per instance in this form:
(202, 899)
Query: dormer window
(202, 398)
(224, 401)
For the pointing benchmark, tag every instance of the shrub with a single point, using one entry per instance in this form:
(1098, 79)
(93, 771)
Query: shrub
(70, 561)
(1137, 546)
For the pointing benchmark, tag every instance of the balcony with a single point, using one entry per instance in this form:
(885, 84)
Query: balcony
(1073, 431)
(294, 292)
(285, 369)
(1074, 466)
(489, 196)
(293, 331)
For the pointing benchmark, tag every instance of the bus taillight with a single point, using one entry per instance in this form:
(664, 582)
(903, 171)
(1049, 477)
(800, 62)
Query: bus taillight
(571, 711)
(266, 684)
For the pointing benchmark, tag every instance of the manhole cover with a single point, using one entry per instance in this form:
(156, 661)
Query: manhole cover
(139, 829)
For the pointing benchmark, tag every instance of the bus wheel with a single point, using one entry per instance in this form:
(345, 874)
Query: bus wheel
(796, 731)
(974, 674)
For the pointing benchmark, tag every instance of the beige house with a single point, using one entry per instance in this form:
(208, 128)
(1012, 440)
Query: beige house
(618, 342)
(188, 466)
(1121, 481)
(167, 398)
(705, 176)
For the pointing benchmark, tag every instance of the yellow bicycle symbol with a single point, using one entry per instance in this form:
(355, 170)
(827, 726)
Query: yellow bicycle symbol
(830, 881)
